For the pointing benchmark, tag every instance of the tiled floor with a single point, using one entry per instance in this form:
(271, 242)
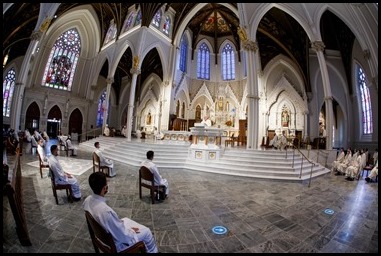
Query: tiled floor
(260, 215)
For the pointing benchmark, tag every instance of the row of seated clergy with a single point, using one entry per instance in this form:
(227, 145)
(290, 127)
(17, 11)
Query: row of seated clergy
(351, 165)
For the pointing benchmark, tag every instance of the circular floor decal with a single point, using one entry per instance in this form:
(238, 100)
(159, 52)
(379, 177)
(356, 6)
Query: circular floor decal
(329, 211)
(219, 230)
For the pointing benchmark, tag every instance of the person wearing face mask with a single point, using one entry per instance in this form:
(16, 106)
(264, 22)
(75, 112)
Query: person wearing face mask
(125, 231)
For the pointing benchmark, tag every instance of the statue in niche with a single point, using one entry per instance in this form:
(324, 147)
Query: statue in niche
(149, 118)
(285, 118)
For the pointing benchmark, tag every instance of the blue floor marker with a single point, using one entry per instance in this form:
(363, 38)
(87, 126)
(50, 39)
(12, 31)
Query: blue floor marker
(219, 230)
(329, 211)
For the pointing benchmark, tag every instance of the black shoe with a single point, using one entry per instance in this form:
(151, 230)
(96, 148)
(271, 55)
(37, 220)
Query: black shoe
(348, 178)
(338, 174)
(367, 179)
(76, 199)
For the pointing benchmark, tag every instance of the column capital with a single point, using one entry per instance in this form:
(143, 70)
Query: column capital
(329, 98)
(36, 35)
(249, 45)
(110, 80)
(318, 46)
(366, 54)
(135, 71)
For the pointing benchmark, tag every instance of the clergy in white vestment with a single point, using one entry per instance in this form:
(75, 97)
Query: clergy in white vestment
(125, 232)
(103, 160)
(41, 152)
(62, 177)
(339, 159)
(158, 179)
(70, 146)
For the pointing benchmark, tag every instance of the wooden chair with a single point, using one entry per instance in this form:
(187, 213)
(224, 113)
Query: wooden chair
(367, 168)
(63, 146)
(103, 241)
(146, 180)
(56, 187)
(98, 167)
(42, 165)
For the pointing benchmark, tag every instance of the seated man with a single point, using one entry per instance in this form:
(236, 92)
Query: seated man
(62, 177)
(106, 132)
(124, 131)
(158, 180)
(339, 160)
(274, 141)
(41, 152)
(354, 168)
(373, 173)
(104, 161)
(70, 146)
(282, 141)
(125, 232)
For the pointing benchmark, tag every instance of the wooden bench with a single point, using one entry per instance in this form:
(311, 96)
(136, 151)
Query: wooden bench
(14, 190)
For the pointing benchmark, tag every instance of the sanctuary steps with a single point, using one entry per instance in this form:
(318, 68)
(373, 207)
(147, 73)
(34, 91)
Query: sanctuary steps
(264, 164)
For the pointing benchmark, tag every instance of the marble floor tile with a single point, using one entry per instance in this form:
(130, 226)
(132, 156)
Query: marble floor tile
(261, 216)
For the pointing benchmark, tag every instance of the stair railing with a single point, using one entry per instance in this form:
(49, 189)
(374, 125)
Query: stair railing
(301, 166)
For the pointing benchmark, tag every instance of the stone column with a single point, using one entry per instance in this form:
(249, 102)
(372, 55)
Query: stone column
(135, 71)
(109, 81)
(18, 96)
(251, 49)
(319, 46)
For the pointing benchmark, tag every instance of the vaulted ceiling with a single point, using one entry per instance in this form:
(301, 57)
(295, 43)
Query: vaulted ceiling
(278, 33)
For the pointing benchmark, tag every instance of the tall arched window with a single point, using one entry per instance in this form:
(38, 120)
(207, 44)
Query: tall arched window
(367, 122)
(228, 63)
(203, 62)
(101, 107)
(183, 110)
(183, 53)
(157, 18)
(8, 87)
(63, 60)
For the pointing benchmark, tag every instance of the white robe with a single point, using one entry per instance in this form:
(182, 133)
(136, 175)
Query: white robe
(70, 146)
(41, 152)
(106, 162)
(121, 229)
(158, 180)
(339, 160)
(61, 177)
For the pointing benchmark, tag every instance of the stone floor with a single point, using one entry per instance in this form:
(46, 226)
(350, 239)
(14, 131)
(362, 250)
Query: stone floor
(260, 215)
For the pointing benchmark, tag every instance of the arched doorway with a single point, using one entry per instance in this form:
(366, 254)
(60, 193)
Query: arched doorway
(75, 124)
(54, 122)
(32, 118)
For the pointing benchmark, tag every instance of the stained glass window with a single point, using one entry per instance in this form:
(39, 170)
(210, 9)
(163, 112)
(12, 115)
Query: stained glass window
(228, 63)
(183, 54)
(166, 25)
(156, 19)
(367, 122)
(63, 60)
(203, 62)
(101, 108)
(8, 87)
(128, 22)
(111, 33)
(138, 18)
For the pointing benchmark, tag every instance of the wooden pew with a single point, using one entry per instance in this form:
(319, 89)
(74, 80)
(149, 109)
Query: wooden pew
(14, 191)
